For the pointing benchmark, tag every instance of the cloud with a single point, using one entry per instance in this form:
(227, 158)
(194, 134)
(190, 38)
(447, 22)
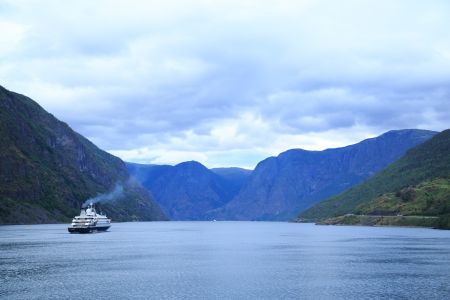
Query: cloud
(229, 82)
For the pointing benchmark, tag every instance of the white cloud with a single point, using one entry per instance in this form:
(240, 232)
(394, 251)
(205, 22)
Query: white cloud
(229, 82)
(11, 37)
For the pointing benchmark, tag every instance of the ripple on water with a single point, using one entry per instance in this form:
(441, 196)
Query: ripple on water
(224, 260)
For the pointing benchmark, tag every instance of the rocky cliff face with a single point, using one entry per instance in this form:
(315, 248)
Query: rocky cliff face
(189, 191)
(281, 187)
(47, 170)
(416, 184)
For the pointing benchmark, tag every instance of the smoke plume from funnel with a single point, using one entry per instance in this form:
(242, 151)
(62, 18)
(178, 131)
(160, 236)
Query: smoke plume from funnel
(117, 192)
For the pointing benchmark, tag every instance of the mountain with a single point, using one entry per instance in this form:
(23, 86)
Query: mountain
(47, 170)
(235, 177)
(188, 191)
(281, 187)
(416, 184)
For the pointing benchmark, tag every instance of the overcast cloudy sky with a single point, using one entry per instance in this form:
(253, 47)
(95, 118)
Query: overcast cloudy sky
(229, 83)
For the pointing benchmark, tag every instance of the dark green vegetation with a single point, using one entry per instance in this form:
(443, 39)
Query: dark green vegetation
(418, 184)
(366, 220)
(190, 191)
(281, 187)
(47, 170)
(429, 198)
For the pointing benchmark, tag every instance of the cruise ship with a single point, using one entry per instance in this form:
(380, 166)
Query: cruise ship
(89, 221)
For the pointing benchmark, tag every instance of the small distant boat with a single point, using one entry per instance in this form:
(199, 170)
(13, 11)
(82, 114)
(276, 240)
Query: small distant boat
(89, 221)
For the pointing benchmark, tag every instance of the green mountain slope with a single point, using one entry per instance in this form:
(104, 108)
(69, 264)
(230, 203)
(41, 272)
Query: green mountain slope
(429, 198)
(47, 170)
(428, 161)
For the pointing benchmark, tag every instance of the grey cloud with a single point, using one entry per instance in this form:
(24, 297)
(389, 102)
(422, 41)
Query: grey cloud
(142, 75)
(314, 111)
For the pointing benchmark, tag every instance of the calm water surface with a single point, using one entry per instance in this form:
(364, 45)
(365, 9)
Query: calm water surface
(224, 260)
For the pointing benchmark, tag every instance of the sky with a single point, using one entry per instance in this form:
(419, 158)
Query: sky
(229, 83)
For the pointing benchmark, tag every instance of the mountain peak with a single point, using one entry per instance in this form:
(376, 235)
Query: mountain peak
(190, 164)
(189, 191)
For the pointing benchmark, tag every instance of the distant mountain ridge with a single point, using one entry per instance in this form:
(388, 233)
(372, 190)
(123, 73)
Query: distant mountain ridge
(47, 170)
(416, 184)
(188, 191)
(281, 187)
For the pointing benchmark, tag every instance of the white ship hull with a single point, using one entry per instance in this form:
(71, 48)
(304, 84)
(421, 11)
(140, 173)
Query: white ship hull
(87, 229)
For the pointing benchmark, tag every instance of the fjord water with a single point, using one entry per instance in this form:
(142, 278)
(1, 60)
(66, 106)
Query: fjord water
(224, 260)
